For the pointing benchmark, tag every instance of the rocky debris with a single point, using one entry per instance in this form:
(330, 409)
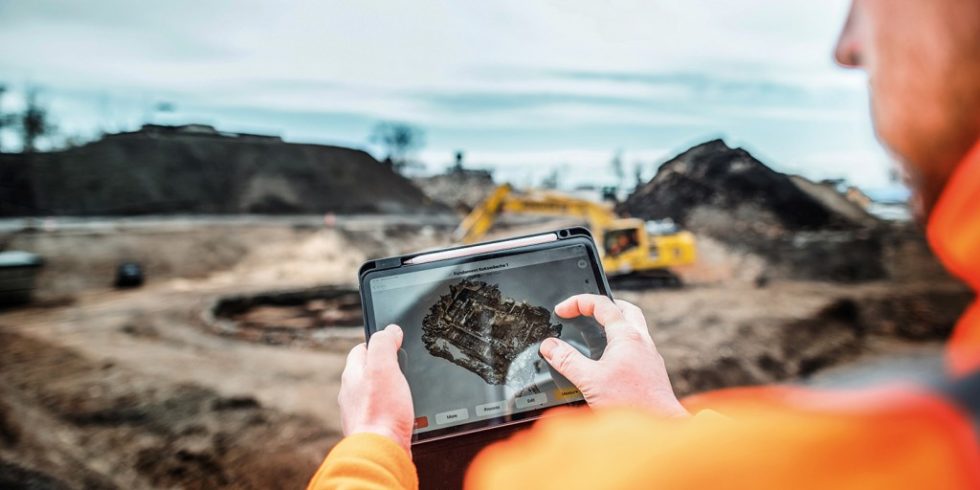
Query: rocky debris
(476, 328)
(16, 476)
(181, 170)
(459, 189)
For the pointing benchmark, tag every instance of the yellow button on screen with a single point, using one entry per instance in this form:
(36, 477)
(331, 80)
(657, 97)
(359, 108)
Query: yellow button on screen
(567, 394)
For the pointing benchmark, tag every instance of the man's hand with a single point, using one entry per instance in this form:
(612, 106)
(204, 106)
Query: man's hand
(630, 371)
(374, 395)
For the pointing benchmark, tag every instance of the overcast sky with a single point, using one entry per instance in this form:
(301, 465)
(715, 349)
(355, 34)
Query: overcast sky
(523, 86)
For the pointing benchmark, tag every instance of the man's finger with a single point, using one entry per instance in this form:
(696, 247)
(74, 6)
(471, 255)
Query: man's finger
(568, 361)
(382, 351)
(355, 362)
(631, 312)
(607, 313)
(357, 355)
(633, 315)
(600, 307)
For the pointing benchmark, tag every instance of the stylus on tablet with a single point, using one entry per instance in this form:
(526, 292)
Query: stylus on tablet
(484, 248)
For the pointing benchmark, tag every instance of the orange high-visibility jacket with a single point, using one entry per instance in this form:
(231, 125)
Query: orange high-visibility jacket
(894, 436)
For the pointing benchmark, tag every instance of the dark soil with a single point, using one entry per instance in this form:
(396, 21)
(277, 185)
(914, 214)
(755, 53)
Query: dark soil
(291, 317)
(68, 422)
(714, 175)
(771, 350)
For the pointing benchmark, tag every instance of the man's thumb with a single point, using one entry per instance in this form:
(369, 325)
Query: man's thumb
(566, 360)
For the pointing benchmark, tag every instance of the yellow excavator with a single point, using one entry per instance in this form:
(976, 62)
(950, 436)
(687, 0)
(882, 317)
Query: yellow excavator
(636, 254)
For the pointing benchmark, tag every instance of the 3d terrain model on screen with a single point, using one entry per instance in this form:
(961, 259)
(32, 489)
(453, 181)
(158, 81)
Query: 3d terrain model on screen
(475, 327)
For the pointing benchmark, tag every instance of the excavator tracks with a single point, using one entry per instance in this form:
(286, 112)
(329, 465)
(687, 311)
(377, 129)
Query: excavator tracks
(646, 280)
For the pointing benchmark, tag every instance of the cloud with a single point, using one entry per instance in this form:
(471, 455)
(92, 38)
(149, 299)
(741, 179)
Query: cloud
(869, 168)
(505, 77)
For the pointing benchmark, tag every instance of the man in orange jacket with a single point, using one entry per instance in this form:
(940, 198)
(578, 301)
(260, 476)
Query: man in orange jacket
(923, 61)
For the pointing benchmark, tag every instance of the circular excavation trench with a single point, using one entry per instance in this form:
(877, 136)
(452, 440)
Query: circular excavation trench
(323, 316)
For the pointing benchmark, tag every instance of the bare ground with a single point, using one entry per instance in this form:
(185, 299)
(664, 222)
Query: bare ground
(132, 389)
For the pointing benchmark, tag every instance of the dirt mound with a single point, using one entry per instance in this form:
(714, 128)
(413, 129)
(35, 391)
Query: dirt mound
(733, 182)
(801, 229)
(166, 170)
(461, 190)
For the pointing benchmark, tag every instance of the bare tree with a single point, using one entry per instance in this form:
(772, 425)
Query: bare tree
(553, 179)
(458, 164)
(399, 141)
(6, 120)
(638, 173)
(616, 164)
(34, 123)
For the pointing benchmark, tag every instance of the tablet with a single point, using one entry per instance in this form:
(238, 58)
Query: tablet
(474, 318)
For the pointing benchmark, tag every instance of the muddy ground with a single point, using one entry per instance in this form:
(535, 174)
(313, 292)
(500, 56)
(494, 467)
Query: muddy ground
(135, 389)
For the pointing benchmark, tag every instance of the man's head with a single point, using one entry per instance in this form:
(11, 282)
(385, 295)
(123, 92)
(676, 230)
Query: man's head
(923, 62)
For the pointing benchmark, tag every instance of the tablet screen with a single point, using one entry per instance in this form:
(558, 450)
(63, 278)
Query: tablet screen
(472, 333)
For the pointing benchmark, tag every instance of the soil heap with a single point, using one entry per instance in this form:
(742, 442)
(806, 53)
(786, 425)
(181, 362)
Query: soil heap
(802, 229)
(460, 189)
(197, 169)
(732, 181)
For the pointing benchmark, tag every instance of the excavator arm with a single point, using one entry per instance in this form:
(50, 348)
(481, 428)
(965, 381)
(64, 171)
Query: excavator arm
(504, 200)
(481, 218)
(630, 253)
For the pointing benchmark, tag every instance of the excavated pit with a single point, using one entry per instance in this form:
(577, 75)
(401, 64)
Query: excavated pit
(315, 317)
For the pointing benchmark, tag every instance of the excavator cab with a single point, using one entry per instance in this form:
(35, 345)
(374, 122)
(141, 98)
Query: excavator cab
(618, 242)
(635, 258)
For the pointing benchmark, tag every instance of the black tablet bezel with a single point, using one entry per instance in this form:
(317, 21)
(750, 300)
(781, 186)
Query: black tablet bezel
(394, 265)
